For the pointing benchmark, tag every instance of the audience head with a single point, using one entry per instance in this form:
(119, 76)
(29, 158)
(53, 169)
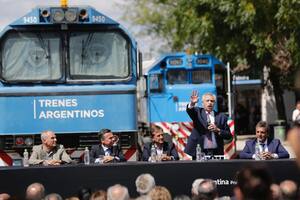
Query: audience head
(160, 193)
(298, 104)
(117, 192)
(35, 191)
(208, 101)
(48, 139)
(157, 134)
(4, 196)
(195, 186)
(289, 190)
(294, 140)
(253, 183)
(107, 138)
(276, 193)
(53, 196)
(144, 183)
(261, 130)
(207, 189)
(84, 193)
(99, 195)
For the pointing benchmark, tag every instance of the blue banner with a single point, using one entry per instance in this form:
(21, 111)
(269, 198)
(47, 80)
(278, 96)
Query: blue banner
(67, 114)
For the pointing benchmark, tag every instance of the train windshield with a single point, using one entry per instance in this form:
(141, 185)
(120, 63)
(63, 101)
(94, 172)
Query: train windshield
(31, 57)
(98, 55)
(177, 76)
(201, 76)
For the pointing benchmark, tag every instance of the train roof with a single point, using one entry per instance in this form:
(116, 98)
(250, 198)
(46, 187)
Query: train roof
(56, 15)
(184, 60)
(43, 15)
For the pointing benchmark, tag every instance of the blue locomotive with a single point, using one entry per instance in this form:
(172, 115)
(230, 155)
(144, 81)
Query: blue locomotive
(170, 81)
(69, 69)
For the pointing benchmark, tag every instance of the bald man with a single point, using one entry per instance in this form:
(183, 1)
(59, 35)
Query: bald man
(35, 191)
(117, 192)
(4, 196)
(49, 152)
(289, 190)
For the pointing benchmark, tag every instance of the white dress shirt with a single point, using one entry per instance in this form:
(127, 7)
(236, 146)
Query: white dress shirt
(264, 148)
(296, 115)
(214, 145)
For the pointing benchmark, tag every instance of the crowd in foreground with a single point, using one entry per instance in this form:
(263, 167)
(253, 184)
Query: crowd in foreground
(253, 183)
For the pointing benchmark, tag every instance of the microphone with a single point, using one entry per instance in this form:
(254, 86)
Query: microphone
(208, 120)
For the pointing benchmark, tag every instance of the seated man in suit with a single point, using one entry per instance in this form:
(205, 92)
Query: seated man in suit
(210, 127)
(108, 149)
(165, 151)
(49, 153)
(269, 148)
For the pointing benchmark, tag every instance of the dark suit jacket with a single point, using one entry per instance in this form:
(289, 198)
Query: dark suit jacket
(168, 147)
(98, 150)
(199, 117)
(274, 146)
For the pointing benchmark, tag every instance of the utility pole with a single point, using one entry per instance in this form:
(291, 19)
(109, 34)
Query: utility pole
(229, 93)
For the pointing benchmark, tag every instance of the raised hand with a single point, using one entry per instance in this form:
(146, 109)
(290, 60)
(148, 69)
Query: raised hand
(194, 98)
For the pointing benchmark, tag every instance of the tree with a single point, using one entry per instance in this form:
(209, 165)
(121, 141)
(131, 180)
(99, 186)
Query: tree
(250, 34)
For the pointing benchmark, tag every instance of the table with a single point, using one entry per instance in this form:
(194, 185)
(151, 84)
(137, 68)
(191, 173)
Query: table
(177, 176)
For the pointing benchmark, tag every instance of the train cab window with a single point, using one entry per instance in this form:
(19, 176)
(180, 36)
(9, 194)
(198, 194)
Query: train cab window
(156, 83)
(99, 55)
(220, 77)
(31, 57)
(201, 76)
(177, 77)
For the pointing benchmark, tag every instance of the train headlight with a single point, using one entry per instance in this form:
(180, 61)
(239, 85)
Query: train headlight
(45, 13)
(83, 14)
(58, 15)
(71, 15)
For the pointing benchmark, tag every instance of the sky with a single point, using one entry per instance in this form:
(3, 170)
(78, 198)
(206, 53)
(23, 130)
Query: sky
(13, 9)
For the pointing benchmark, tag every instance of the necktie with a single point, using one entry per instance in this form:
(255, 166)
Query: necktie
(208, 118)
(108, 152)
(209, 135)
(262, 147)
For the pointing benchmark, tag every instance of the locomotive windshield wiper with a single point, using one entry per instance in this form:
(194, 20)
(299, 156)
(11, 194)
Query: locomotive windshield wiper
(85, 44)
(43, 45)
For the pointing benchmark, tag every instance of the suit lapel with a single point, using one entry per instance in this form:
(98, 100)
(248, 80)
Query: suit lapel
(270, 146)
(101, 150)
(217, 118)
(253, 146)
(203, 117)
(166, 147)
